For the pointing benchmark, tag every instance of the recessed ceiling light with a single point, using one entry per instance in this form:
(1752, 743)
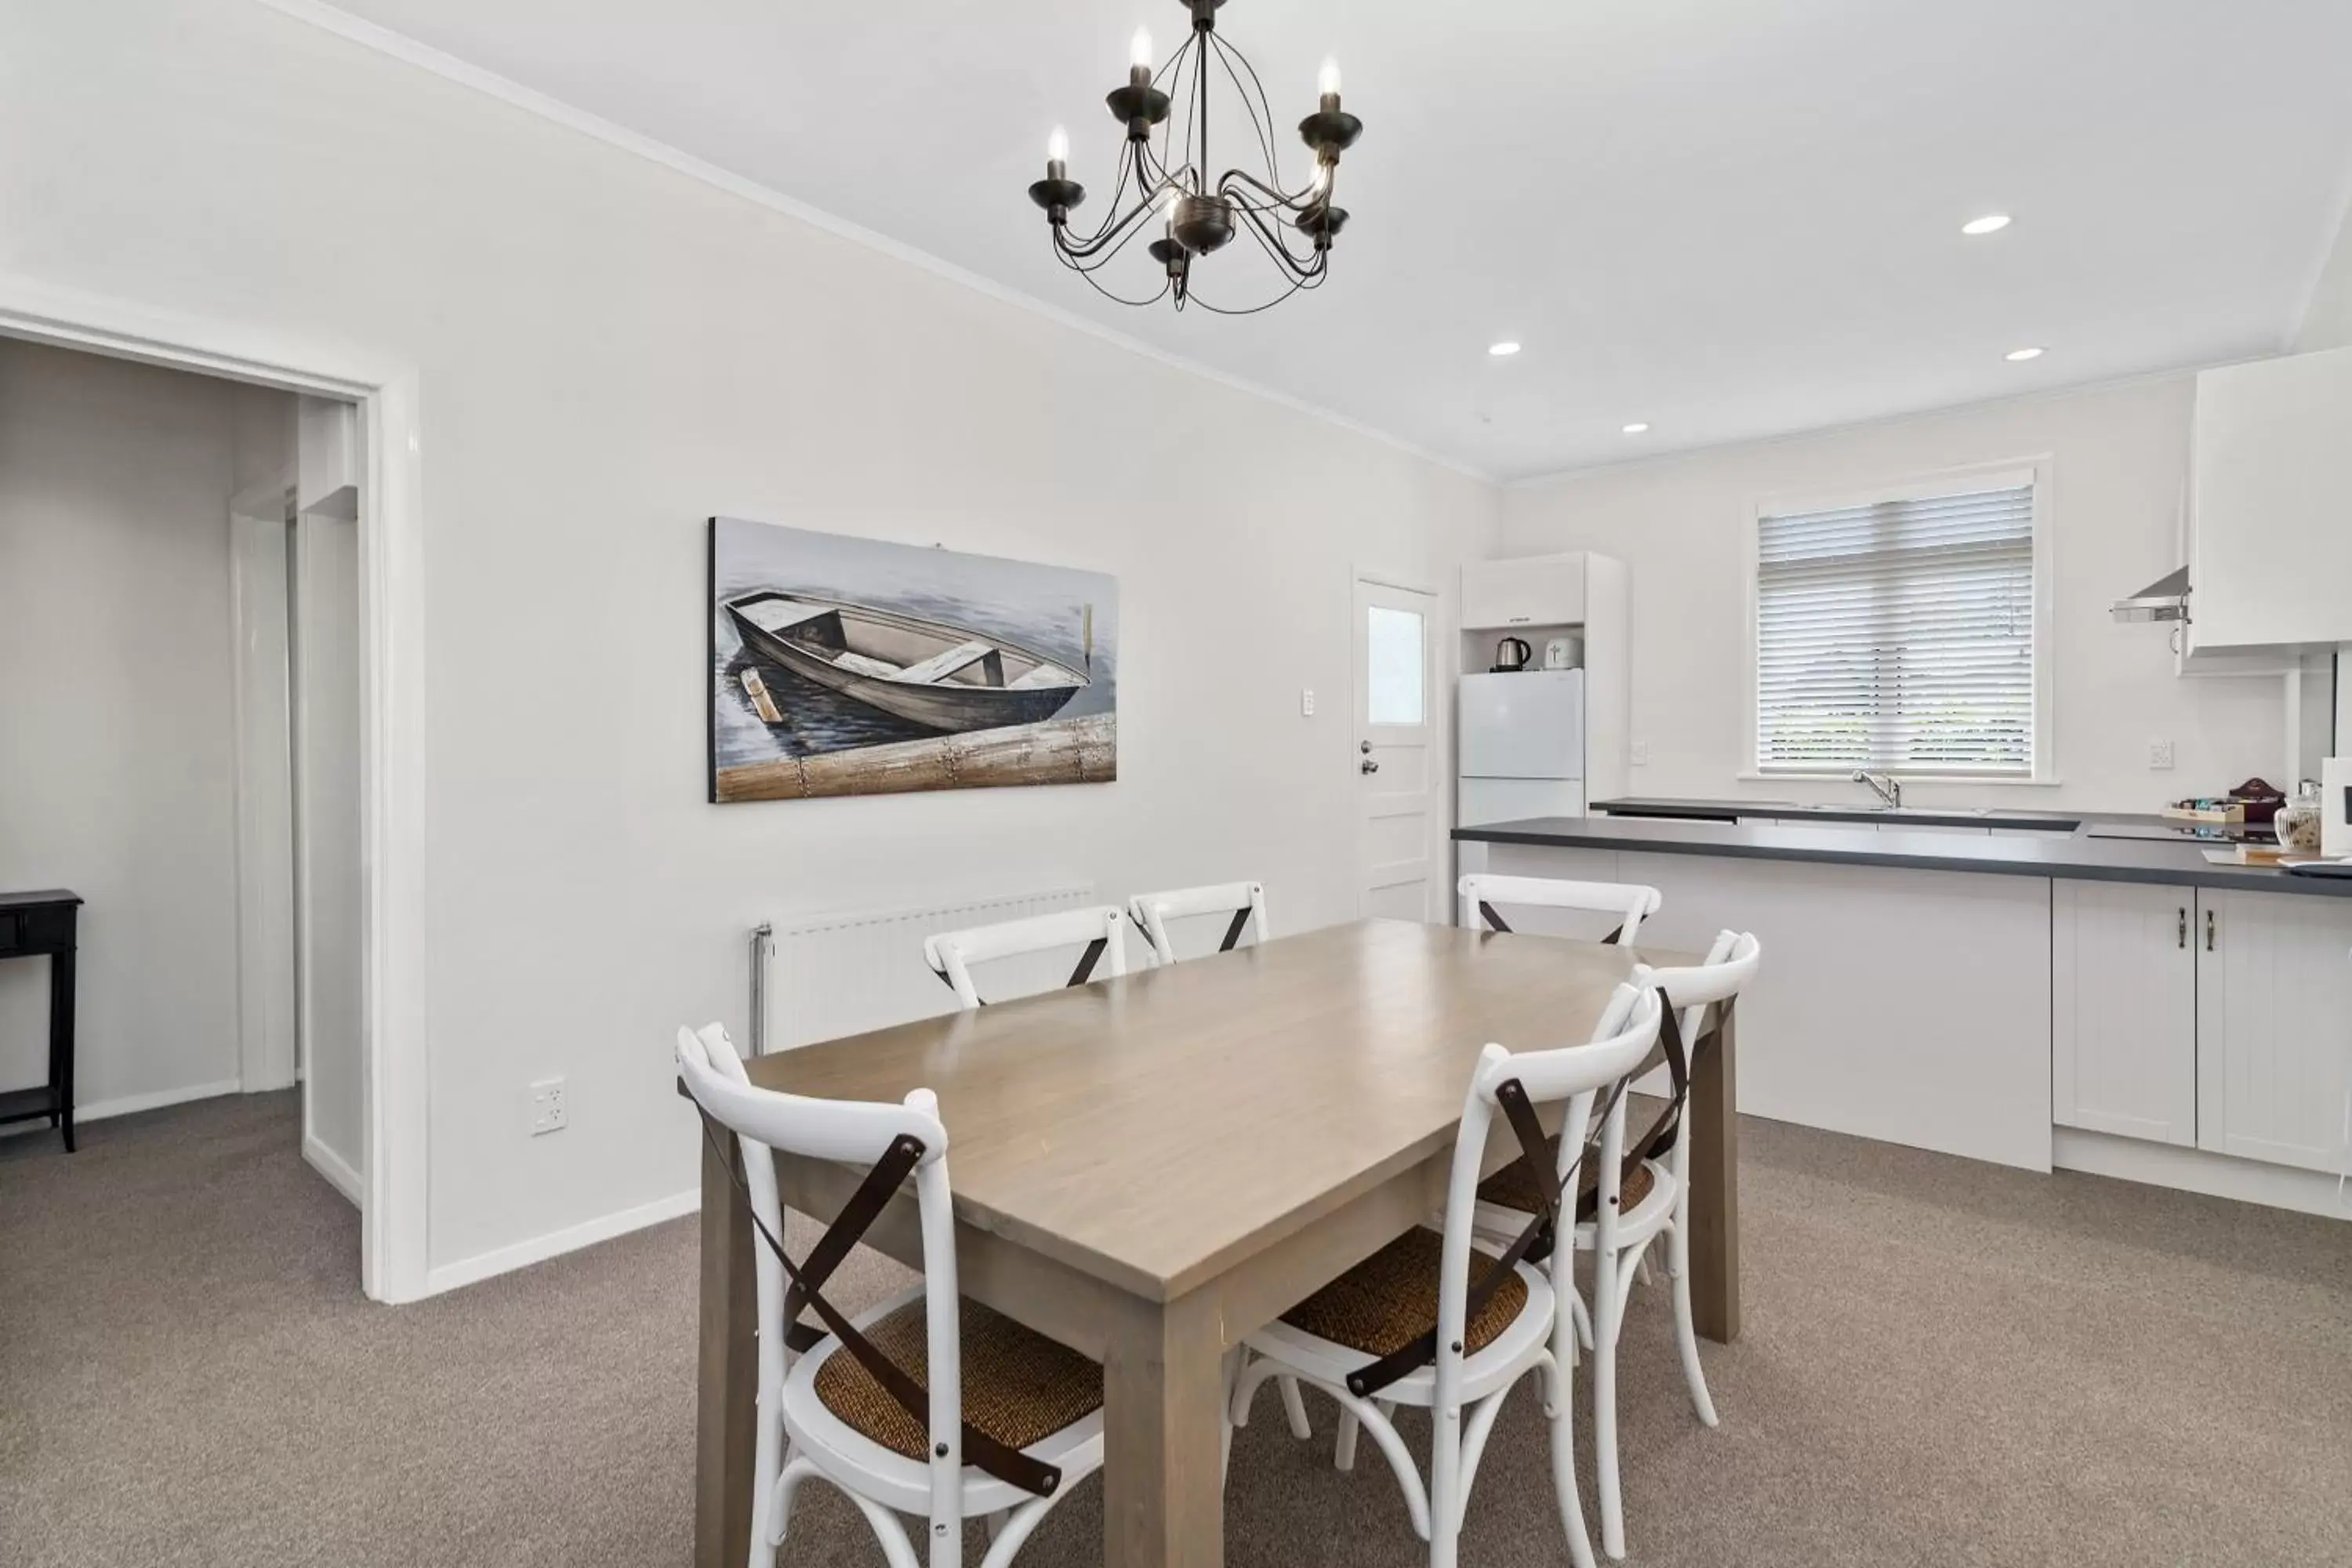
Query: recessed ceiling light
(1636, 427)
(1502, 350)
(1992, 222)
(2016, 355)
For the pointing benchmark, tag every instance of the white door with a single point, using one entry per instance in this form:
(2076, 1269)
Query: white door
(1392, 759)
(2274, 1026)
(2124, 1010)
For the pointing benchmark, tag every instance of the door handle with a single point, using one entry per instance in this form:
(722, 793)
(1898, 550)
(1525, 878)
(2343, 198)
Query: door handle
(2208, 931)
(2183, 934)
(1368, 766)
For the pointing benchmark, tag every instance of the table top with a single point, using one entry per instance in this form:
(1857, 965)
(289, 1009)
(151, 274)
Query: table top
(1155, 1129)
(30, 900)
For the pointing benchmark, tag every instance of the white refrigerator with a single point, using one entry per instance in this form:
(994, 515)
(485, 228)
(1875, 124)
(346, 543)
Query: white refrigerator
(1522, 751)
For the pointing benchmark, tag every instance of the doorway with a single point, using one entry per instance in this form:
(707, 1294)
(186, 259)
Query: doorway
(387, 708)
(1393, 757)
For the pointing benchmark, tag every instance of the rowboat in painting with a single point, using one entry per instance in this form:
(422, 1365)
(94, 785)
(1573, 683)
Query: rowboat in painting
(941, 676)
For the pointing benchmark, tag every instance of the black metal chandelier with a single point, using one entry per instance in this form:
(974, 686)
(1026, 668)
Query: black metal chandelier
(1165, 184)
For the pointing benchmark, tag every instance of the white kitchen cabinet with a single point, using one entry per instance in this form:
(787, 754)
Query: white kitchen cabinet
(1527, 590)
(2274, 1026)
(2123, 1045)
(2270, 535)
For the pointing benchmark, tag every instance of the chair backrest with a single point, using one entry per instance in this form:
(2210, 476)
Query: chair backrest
(1630, 902)
(857, 1132)
(1098, 932)
(1732, 961)
(1242, 902)
(1575, 1074)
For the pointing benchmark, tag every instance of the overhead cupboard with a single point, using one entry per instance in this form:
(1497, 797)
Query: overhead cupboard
(2203, 1017)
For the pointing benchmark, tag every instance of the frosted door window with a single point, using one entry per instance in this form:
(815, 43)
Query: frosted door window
(1393, 674)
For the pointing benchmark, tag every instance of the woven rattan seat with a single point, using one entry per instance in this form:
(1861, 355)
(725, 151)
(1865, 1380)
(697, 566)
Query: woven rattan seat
(1513, 1187)
(1019, 1386)
(1390, 1300)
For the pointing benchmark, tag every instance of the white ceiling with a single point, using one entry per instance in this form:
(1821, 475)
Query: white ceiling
(1726, 218)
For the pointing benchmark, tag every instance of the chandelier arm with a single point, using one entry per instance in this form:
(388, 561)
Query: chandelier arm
(1126, 225)
(1280, 251)
(1249, 310)
(1261, 115)
(1120, 298)
(1110, 216)
(1275, 200)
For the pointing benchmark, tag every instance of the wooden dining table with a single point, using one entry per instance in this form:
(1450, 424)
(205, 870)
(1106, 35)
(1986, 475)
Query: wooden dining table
(1148, 1168)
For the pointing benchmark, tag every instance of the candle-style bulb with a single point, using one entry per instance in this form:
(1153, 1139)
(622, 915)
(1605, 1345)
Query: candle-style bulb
(1139, 52)
(1057, 146)
(1326, 80)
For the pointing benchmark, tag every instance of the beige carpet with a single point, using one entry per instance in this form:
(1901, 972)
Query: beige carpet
(1944, 1363)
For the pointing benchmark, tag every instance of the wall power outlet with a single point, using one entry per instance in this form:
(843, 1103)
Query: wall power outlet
(2160, 754)
(547, 1108)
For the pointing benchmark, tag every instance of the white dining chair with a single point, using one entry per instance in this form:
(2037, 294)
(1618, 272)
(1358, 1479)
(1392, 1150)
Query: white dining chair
(1633, 1209)
(989, 1420)
(1099, 933)
(1409, 1327)
(1242, 904)
(1483, 896)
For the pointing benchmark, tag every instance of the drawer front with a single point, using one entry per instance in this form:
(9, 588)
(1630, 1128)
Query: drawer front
(38, 928)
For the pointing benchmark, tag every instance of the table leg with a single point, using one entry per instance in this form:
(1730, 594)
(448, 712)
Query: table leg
(61, 1037)
(726, 1405)
(1164, 1436)
(1715, 1189)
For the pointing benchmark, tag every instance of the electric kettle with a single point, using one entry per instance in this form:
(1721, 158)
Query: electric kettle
(1512, 653)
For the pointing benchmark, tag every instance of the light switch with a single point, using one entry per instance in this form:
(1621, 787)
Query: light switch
(1307, 703)
(1640, 754)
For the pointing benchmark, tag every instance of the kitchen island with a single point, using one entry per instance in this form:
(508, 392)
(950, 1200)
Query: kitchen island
(2035, 988)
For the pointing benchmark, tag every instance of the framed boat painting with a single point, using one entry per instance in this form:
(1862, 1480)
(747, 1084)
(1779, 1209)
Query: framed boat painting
(842, 666)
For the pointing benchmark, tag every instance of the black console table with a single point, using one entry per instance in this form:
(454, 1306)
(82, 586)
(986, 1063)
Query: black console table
(32, 923)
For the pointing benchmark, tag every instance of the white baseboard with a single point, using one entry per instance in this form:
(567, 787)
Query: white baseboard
(336, 1169)
(539, 1249)
(130, 1105)
(2196, 1171)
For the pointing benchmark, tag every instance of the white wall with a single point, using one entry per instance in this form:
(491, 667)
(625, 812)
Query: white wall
(2119, 460)
(117, 771)
(609, 352)
(2327, 324)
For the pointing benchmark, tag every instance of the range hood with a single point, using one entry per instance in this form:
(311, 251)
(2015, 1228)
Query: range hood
(2165, 599)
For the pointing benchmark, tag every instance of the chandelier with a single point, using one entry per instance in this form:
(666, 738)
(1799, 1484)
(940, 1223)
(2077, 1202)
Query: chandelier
(1165, 187)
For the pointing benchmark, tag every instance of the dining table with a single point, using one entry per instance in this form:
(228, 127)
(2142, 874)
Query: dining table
(1148, 1167)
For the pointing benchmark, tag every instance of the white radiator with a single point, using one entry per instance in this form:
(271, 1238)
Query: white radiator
(836, 974)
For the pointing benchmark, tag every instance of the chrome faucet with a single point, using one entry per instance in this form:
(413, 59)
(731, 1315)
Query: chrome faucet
(1885, 786)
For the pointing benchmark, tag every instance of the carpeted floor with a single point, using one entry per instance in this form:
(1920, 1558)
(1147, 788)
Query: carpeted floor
(1944, 1363)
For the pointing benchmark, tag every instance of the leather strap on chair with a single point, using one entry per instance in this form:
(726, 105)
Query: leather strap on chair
(865, 1205)
(1495, 921)
(1535, 1242)
(1078, 976)
(1234, 931)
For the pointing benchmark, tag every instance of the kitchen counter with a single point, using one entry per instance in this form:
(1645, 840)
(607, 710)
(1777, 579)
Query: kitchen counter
(1878, 839)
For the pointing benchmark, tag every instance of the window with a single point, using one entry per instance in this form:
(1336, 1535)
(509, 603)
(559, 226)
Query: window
(1900, 634)
(1392, 657)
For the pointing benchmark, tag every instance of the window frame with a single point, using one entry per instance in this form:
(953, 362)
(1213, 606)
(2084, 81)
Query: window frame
(2034, 471)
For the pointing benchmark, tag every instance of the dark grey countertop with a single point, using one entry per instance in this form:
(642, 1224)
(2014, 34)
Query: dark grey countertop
(1825, 840)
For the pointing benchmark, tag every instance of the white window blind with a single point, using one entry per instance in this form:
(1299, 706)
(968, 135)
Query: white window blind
(1897, 635)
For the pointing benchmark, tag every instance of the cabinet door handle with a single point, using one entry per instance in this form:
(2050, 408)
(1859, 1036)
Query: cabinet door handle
(2181, 935)
(2208, 931)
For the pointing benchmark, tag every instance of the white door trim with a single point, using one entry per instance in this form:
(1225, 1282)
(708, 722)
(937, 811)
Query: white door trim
(267, 1052)
(394, 1217)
